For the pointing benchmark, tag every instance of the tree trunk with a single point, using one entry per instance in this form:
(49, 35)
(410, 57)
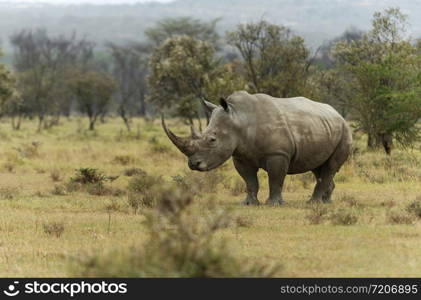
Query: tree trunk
(372, 141)
(142, 109)
(91, 125)
(126, 120)
(18, 124)
(92, 120)
(40, 122)
(387, 142)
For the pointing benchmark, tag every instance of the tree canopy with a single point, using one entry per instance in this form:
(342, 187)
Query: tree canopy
(387, 72)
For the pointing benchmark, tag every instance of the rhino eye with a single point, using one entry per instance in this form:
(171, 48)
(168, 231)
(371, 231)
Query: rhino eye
(212, 139)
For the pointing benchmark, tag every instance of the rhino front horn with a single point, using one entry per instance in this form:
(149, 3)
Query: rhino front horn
(185, 145)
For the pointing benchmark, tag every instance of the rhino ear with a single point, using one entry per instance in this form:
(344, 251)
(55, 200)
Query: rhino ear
(223, 103)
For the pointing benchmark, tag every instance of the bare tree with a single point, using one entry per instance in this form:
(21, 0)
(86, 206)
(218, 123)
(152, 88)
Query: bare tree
(42, 63)
(129, 68)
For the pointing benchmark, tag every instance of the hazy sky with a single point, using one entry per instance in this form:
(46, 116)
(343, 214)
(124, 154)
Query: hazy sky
(82, 1)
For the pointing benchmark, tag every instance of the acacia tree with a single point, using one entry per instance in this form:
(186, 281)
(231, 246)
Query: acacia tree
(275, 61)
(386, 68)
(93, 92)
(184, 70)
(180, 70)
(7, 90)
(129, 69)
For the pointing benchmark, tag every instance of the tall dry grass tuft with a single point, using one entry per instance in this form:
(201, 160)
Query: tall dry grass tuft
(415, 207)
(318, 213)
(400, 216)
(143, 190)
(55, 229)
(343, 216)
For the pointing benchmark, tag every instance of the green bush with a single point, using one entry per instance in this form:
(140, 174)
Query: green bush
(89, 176)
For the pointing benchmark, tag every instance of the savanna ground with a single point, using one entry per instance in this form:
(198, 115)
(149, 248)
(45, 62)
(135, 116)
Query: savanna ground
(368, 230)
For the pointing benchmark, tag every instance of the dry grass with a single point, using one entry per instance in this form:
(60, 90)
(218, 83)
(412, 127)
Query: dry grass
(379, 191)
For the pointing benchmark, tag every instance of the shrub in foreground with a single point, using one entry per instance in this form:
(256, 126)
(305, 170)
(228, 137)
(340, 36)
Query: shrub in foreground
(181, 242)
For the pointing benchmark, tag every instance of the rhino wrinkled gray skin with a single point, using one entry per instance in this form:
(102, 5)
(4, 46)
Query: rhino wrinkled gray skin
(280, 135)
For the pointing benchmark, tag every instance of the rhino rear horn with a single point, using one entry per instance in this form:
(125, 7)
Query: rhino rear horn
(185, 145)
(208, 107)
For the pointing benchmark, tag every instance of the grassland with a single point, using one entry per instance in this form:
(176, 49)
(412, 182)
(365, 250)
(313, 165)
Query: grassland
(366, 231)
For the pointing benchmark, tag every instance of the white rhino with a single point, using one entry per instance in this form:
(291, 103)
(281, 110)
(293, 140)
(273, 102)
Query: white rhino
(280, 135)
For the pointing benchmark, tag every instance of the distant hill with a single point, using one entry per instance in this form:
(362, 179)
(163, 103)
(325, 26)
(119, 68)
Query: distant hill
(316, 20)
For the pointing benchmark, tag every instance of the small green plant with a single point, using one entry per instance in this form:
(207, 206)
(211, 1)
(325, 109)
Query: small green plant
(53, 228)
(89, 176)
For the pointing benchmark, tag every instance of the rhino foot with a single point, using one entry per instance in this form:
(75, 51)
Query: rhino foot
(274, 201)
(251, 201)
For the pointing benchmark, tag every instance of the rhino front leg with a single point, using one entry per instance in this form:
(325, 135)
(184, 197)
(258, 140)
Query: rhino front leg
(277, 169)
(249, 174)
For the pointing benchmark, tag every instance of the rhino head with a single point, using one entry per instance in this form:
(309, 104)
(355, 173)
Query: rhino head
(210, 149)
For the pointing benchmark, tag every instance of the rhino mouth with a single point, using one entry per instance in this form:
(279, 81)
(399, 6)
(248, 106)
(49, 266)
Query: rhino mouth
(208, 167)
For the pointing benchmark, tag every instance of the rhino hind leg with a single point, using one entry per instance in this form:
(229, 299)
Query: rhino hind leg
(249, 175)
(324, 183)
(325, 173)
